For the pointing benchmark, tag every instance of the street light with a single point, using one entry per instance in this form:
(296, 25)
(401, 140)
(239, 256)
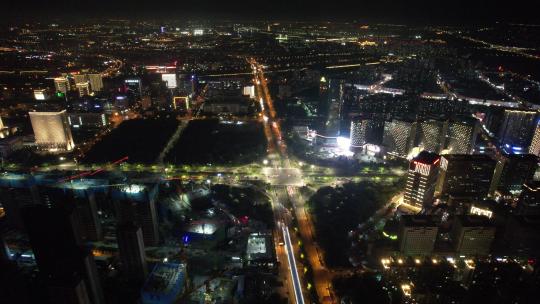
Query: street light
(265, 162)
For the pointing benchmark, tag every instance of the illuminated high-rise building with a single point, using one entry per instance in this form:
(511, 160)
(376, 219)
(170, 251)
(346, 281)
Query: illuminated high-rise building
(461, 136)
(170, 80)
(398, 137)
(41, 94)
(52, 131)
(417, 235)
(96, 82)
(534, 148)
(62, 85)
(431, 135)
(517, 129)
(84, 88)
(472, 235)
(465, 176)
(80, 78)
(422, 178)
(367, 130)
(134, 88)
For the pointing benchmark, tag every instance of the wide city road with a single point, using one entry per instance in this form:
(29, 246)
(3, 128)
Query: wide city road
(279, 161)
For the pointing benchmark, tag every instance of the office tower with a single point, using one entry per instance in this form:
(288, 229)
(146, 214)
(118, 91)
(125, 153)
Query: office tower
(61, 84)
(87, 120)
(137, 204)
(96, 82)
(16, 191)
(417, 235)
(422, 178)
(399, 136)
(431, 135)
(84, 88)
(56, 246)
(186, 84)
(358, 132)
(170, 80)
(131, 247)
(461, 136)
(465, 176)
(517, 129)
(52, 131)
(82, 200)
(80, 78)
(367, 130)
(535, 142)
(512, 171)
(529, 200)
(472, 235)
(134, 88)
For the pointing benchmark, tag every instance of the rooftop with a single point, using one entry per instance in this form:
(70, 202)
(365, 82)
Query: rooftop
(165, 279)
(474, 221)
(417, 221)
(426, 157)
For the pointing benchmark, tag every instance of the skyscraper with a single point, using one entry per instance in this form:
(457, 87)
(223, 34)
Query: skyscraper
(96, 82)
(52, 131)
(534, 148)
(472, 235)
(399, 136)
(137, 203)
(16, 192)
(461, 136)
(134, 88)
(170, 80)
(512, 171)
(84, 88)
(529, 200)
(80, 78)
(84, 206)
(465, 176)
(56, 246)
(517, 129)
(431, 135)
(131, 247)
(367, 130)
(61, 84)
(417, 235)
(422, 178)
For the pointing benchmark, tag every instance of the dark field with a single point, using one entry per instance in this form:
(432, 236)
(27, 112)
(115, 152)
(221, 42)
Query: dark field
(212, 142)
(141, 140)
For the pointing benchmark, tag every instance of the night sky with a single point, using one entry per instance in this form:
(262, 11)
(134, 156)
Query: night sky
(407, 11)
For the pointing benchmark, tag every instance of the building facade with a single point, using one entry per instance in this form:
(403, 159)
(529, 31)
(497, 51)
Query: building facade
(52, 131)
(422, 179)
